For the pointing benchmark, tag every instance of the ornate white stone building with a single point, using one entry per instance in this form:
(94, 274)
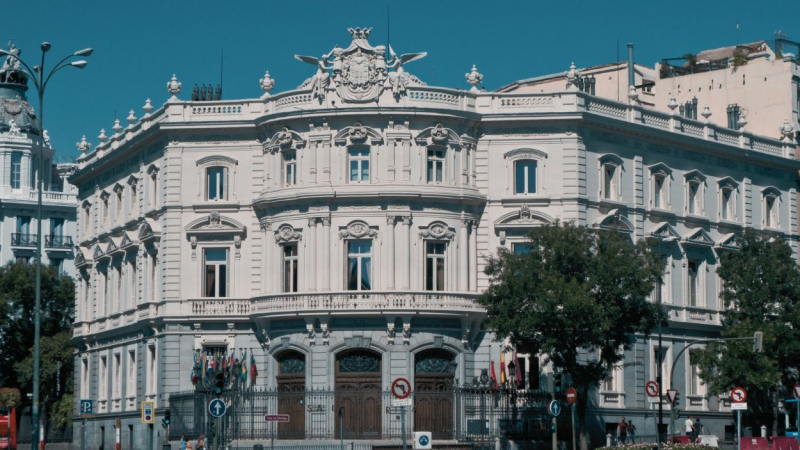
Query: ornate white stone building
(20, 150)
(336, 234)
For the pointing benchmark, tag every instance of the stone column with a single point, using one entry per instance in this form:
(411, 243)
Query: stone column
(405, 253)
(473, 257)
(268, 258)
(390, 222)
(463, 274)
(311, 276)
(326, 254)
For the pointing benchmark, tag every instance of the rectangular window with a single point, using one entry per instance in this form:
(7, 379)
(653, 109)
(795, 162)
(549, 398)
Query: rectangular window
(151, 379)
(525, 177)
(770, 212)
(216, 273)
(434, 265)
(103, 390)
(118, 212)
(359, 265)
(694, 190)
(153, 190)
(661, 359)
(58, 263)
(693, 282)
(359, 165)
(659, 192)
(131, 389)
(609, 182)
(134, 200)
(521, 249)
(118, 291)
(727, 201)
(216, 183)
(695, 383)
(87, 221)
(290, 168)
(153, 277)
(610, 383)
(85, 379)
(290, 268)
(16, 170)
(105, 211)
(132, 281)
(56, 227)
(435, 166)
(117, 376)
(23, 224)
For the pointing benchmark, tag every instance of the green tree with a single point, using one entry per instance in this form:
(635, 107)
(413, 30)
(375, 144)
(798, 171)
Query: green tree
(578, 297)
(56, 373)
(17, 300)
(761, 292)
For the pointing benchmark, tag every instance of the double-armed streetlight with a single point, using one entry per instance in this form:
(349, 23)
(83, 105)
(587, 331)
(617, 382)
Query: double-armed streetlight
(40, 82)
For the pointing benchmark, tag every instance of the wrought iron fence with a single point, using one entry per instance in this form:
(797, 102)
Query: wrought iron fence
(466, 414)
(23, 239)
(56, 241)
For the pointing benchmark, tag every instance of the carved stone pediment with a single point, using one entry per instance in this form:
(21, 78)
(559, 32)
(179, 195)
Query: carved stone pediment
(663, 231)
(284, 140)
(358, 134)
(699, 237)
(613, 221)
(437, 230)
(358, 230)
(438, 135)
(214, 222)
(287, 233)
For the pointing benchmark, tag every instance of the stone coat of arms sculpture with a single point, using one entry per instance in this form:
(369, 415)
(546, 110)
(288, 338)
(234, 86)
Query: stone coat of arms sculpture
(359, 72)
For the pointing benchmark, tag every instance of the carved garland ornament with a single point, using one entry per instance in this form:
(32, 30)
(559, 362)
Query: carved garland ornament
(437, 231)
(287, 234)
(358, 230)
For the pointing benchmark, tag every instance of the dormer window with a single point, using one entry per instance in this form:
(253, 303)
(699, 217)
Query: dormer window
(216, 183)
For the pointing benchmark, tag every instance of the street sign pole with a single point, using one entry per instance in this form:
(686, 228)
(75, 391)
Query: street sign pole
(83, 444)
(573, 427)
(403, 425)
(739, 428)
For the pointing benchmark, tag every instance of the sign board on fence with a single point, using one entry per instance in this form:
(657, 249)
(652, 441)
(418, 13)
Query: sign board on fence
(217, 407)
(276, 418)
(423, 440)
(401, 388)
(738, 395)
(86, 408)
(738, 406)
(402, 402)
(148, 412)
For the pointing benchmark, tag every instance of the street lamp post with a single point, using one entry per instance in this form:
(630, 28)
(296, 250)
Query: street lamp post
(40, 83)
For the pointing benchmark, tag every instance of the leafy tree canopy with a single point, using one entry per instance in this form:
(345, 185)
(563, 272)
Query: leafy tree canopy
(56, 375)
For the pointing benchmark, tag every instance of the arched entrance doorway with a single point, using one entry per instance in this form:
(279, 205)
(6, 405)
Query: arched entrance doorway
(434, 374)
(291, 394)
(358, 391)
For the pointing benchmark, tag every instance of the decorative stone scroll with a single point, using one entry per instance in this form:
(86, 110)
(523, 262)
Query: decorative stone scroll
(358, 230)
(284, 140)
(437, 230)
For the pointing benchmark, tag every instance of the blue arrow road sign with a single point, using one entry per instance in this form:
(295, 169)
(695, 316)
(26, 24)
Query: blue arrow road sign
(423, 441)
(216, 408)
(86, 408)
(554, 408)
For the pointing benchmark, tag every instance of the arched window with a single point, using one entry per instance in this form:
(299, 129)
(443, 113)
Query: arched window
(525, 165)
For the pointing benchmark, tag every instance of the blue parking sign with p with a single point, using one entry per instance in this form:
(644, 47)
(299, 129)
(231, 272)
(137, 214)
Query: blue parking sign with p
(86, 408)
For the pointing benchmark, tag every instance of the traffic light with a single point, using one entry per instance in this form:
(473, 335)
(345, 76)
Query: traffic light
(219, 384)
(758, 341)
(552, 428)
(165, 420)
(676, 413)
(557, 380)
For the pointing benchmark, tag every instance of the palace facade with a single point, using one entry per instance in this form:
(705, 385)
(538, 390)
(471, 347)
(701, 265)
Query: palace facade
(333, 237)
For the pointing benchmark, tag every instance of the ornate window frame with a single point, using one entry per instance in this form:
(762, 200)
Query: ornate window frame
(216, 231)
(86, 226)
(603, 162)
(660, 171)
(229, 164)
(513, 225)
(525, 154)
(119, 204)
(723, 185)
(152, 187)
(701, 396)
(772, 194)
(133, 200)
(105, 209)
(438, 231)
(689, 178)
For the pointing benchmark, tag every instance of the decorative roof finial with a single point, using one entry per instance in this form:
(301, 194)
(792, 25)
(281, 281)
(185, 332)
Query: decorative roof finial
(573, 75)
(474, 78)
(174, 87)
(632, 94)
(267, 84)
(131, 118)
(46, 137)
(742, 120)
(117, 127)
(13, 128)
(102, 138)
(359, 33)
(83, 145)
(672, 104)
(787, 130)
(148, 108)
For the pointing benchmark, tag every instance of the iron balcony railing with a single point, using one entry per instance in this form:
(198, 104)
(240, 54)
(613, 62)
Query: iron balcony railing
(57, 241)
(23, 240)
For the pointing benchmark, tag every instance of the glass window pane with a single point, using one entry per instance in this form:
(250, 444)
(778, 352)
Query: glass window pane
(212, 183)
(216, 255)
(352, 274)
(287, 276)
(429, 274)
(223, 280)
(439, 274)
(430, 171)
(521, 249)
(366, 268)
(210, 281)
(439, 170)
(365, 170)
(353, 170)
(520, 178)
(222, 183)
(531, 166)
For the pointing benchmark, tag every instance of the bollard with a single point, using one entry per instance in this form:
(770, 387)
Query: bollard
(763, 431)
(608, 440)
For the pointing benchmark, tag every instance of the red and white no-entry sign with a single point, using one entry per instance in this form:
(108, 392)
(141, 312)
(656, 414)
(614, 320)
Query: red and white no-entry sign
(401, 388)
(651, 389)
(738, 395)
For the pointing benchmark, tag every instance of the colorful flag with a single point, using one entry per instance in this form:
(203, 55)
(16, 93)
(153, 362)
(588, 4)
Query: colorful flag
(203, 366)
(253, 370)
(502, 368)
(520, 370)
(494, 377)
(244, 366)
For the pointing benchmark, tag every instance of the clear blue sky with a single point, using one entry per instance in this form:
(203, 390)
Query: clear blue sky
(140, 43)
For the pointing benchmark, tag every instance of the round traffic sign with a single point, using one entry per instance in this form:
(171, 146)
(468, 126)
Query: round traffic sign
(651, 388)
(738, 395)
(797, 391)
(423, 440)
(572, 395)
(554, 408)
(216, 408)
(401, 388)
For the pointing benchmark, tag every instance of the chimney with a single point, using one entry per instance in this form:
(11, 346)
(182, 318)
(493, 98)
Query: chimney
(631, 77)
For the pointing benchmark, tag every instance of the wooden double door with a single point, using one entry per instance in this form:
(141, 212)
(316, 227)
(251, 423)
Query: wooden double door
(292, 396)
(358, 392)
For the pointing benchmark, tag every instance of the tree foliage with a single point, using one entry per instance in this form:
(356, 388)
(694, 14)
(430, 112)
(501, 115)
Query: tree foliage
(578, 297)
(761, 292)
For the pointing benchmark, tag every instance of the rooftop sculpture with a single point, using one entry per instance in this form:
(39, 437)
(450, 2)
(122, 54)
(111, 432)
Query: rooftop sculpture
(11, 72)
(360, 72)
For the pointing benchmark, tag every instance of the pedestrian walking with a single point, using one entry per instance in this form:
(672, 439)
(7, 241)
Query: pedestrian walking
(201, 442)
(688, 427)
(622, 431)
(183, 442)
(631, 432)
(698, 430)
